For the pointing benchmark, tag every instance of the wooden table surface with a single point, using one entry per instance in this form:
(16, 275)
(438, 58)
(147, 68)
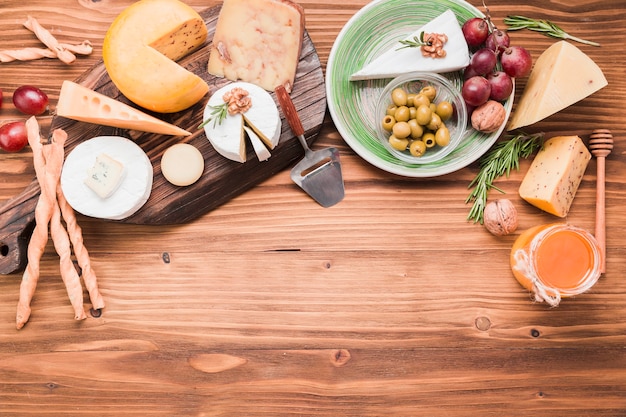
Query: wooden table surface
(390, 303)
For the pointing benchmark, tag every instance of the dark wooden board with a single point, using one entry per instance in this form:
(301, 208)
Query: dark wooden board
(222, 179)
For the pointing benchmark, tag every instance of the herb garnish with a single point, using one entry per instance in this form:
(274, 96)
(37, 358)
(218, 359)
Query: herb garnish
(543, 26)
(415, 43)
(503, 157)
(218, 114)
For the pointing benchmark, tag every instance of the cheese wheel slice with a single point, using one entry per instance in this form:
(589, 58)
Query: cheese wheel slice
(258, 41)
(257, 144)
(228, 137)
(141, 47)
(131, 194)
(182, 164)
(80, 103)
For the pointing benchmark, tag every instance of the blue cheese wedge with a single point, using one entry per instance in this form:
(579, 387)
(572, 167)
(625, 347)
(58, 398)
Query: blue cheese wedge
(105, 175)
(396, 61)
(228, 137)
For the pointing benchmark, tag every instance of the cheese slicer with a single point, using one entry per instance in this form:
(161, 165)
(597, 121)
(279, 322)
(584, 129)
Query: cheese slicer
(319, 172)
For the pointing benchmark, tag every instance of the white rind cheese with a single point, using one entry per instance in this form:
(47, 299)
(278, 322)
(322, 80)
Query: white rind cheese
(228, 137)
(259, 148)
(131, 194)
(398, 61)
(555, 174)
(105, 175)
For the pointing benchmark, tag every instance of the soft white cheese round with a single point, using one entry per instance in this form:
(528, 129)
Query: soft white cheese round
(131, 194)
(228, 137)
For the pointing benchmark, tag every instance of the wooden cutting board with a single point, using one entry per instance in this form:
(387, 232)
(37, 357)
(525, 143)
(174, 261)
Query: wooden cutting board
(222, 179)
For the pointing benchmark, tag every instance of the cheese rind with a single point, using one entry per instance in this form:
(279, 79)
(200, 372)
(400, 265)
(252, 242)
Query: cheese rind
(561, 76)
(105, 175)
(141, 47)
(80, 103)
(258, 41)
(555, 175)
(398, 61)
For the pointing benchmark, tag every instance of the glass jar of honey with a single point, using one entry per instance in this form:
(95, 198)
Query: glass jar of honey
(556, 260)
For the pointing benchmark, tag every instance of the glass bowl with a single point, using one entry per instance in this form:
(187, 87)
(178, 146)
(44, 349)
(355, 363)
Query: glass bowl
(413, 83)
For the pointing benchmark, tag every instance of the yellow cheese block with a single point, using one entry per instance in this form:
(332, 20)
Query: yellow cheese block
(140, 50)
(258, 41)
(555, 174)
(562, 76)
(80, 103)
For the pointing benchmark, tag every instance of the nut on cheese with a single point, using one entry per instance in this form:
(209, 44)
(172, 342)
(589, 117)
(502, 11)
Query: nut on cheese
(258, 41)
(555, 174)
(140, 50)
(561, 76)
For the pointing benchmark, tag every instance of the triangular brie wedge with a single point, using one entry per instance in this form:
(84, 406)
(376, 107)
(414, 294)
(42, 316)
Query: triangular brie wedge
(257, 144)
(398, 61)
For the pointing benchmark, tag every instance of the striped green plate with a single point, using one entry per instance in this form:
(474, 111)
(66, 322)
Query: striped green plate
(370, 32)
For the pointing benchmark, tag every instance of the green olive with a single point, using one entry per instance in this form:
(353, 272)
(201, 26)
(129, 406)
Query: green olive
(420, 99)
(435, 122)
(442, 136)
(416, 129)
(429, 139)
(391, 109)
(423, 115)
(410, 99)
(388, 122)
(445, 110)
(398, 96)
(417, 148)
(429, 91)
(412, 112)
(402, 114)
(397, 143)
(433, 107)
(401, 130)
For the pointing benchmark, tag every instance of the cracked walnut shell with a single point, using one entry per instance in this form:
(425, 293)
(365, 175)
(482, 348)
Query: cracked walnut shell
(488, 117)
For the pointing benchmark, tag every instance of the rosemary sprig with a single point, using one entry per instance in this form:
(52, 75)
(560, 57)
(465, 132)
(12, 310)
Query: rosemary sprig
(543, 26)
(415, 43)
(218, 114)
(500, 160)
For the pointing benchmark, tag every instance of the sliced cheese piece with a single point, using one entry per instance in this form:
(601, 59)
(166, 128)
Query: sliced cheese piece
(396, 61)
(105, 176)
(141, 47)
(130, 195)
(561, 76)
(182, 164)
(257, 144)
(77, 102)
(555, 174)
(258, 41)
(262, 117)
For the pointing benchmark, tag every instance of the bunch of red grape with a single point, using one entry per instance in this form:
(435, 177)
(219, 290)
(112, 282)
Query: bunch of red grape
(483, 79)
(28, 100)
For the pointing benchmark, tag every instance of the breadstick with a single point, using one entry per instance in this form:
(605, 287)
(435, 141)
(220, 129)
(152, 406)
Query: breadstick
(29, 54)
(49, 40)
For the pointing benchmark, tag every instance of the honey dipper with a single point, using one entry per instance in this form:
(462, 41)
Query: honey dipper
(601, 145)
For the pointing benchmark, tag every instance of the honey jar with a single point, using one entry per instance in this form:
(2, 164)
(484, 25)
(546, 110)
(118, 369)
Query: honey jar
(556, 260)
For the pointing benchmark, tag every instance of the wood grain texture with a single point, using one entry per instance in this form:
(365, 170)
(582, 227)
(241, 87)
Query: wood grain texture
(389, 303)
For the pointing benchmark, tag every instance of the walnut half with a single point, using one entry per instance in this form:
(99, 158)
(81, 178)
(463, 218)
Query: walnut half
(488, 117)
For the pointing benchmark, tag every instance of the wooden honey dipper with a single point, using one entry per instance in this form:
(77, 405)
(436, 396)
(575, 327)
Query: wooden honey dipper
(601, 145)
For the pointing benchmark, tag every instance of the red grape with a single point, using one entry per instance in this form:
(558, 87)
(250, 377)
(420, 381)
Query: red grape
(476, 90)
(475, 31)
(501, 85)
(484, 61)
(13, 136)
(516, 61)
(30, 100)
(498, 41)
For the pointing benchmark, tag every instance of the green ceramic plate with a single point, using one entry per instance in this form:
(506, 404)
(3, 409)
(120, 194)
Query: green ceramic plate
(370, 32)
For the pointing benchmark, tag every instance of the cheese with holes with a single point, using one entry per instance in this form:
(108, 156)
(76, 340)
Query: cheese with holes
(105, 175)
(228, 137)
(396, 61)
(561, 76)
(80, 103)
(555, 174)
(141, 47)
(258, 41)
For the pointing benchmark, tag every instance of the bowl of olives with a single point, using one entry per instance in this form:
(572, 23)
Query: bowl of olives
(421, 117)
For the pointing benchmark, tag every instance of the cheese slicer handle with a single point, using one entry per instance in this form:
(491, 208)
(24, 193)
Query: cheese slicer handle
(291, 114)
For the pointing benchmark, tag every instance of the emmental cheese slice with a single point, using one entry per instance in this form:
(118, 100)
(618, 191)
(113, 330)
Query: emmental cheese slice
(555, 174)
(258, 41)
(77, 102)
(562, 76)
(141, 47)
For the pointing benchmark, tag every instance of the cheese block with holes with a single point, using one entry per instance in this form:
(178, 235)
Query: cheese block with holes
(140, 49)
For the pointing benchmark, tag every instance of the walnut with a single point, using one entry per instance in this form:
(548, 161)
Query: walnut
(488, 117)
(500, 217)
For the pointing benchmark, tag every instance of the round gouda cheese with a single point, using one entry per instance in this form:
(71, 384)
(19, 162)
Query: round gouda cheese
(182, 164)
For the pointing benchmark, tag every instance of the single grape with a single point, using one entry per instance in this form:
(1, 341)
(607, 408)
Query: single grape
(13, 136)
(469, 72)
(501, 85)
(30, 100)
(484, 61)
(516, 61)
(475, 31)
(476, 91)
(498, 41)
